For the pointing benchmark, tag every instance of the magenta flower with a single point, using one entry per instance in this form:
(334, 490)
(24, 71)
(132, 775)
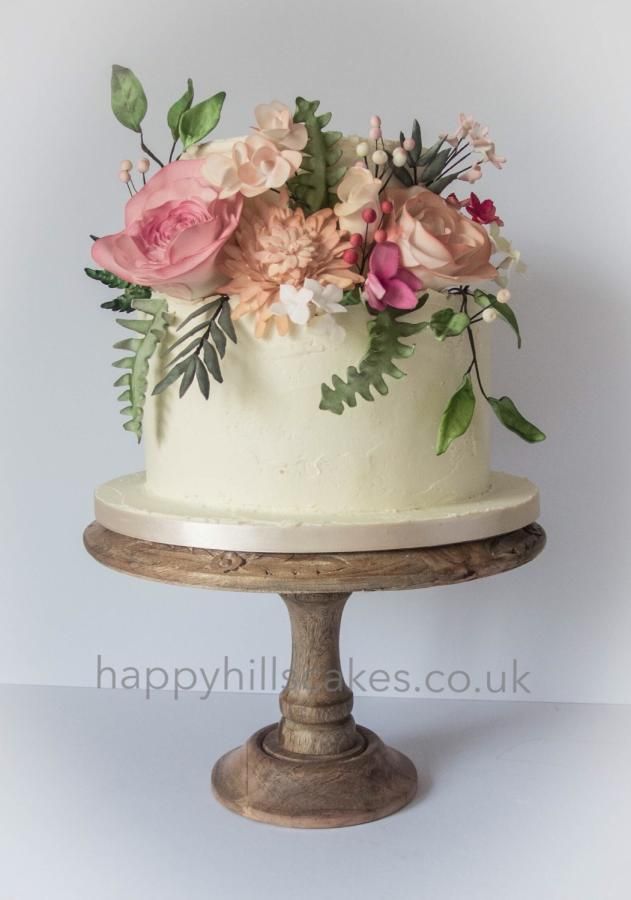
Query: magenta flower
(388, 283)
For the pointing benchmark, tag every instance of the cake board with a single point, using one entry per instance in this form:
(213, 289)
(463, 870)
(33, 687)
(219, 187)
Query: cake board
(316, 768)
(127, 506)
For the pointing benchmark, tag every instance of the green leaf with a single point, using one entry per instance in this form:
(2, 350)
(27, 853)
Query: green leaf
(207, 307)
(153, 331)
(502, 309)
(212, 361)
(313, 187)
(385, 345)
(511, 418)
(107, 278)
(402, 174)
(129, 103)
(224, 320)
(439, 185)
(189, 334)
(448, 323)
(172, 375)
(202, 378)
(416, 135)
(178, 109)
(457, 416)
(432, 170)
(189, 374)
(219, 338)
(351, 296)
(198, 121)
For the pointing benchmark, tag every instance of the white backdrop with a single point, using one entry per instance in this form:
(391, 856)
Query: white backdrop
(552, 79)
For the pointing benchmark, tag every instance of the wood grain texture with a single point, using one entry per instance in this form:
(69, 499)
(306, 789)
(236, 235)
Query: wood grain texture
(315, 573)
(316, 703)
(314, 793)
(316, 768)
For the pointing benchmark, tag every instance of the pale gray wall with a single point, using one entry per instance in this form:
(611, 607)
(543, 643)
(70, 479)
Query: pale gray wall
(553, 80)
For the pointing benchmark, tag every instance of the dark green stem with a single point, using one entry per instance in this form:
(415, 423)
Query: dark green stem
(146, 150)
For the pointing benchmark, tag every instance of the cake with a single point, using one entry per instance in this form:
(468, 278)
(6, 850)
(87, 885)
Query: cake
(307, 345)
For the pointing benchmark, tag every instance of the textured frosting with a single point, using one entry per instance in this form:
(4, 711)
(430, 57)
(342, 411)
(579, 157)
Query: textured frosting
(261, 445)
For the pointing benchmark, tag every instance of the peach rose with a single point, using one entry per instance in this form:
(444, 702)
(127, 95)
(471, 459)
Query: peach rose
(358, 190)
(439, 244)
(175, 230)
(275, 122)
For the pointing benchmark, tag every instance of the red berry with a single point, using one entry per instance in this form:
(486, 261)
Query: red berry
(386, 207)
(380, 236)
(350, 257)
(356, 240)
(369, 215)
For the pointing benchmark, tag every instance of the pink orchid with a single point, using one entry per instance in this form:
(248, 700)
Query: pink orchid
(388, 282)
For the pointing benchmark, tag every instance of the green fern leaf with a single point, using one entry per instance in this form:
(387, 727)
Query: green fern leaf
(385, 345)
(313, 187)
(152, 331)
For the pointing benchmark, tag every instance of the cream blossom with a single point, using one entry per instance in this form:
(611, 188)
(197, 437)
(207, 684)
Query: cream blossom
(220, 145)
(275, 122)
(511, 262)
(313, 300)
(480, 141)
(466, 123)
(327, 297)
(294, 303)
(250, 167)
(471, 175)
(358, 190)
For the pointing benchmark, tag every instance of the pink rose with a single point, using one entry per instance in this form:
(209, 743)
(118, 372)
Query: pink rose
(175, 229)
(438, 244)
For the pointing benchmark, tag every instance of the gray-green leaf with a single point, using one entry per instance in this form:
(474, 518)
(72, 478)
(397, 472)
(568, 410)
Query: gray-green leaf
(457, 416)
(224, 320)
(502, 309)
(448, 323)
(511, 418)
(178, 109)
(200, 120)
(212, 361)
(129, 103)
(189, 374)
(202, 378)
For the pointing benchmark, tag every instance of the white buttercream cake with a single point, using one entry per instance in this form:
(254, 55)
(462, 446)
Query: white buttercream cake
(309, 359)
(260, 446)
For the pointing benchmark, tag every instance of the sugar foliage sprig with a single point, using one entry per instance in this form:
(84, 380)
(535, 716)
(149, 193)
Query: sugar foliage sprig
(205, 345)
(150, 330)
(125, 301)
(313, 187)
(187, 123)
(387, 332)
(458, 413)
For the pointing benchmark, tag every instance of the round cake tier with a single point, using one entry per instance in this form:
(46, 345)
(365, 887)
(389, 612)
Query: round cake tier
(261, 444)
(126, 506)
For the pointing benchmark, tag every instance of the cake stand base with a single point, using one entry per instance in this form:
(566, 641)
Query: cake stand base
(367, 782)
(316, 768)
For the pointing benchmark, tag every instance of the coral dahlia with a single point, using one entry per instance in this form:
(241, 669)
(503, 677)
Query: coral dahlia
(277, 245)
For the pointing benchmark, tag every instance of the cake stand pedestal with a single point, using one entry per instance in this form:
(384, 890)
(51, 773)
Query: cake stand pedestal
(316, 768)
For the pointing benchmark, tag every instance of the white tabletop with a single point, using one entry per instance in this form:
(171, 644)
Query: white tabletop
(105, 796)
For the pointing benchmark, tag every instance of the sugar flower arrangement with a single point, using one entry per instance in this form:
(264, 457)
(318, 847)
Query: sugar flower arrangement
(290, 226)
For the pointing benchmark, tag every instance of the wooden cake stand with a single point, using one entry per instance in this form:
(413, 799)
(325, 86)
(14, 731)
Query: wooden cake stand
(316, 768)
